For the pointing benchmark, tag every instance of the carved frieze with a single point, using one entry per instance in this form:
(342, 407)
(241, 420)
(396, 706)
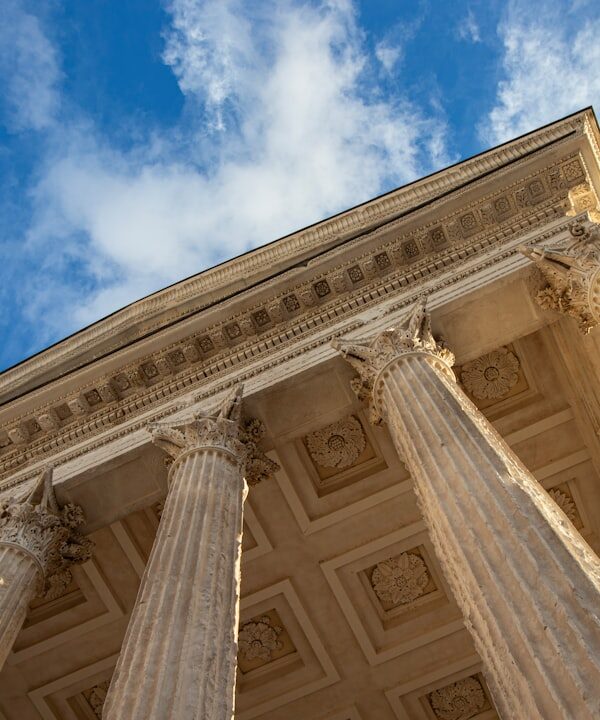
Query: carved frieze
(338, 445)
(459, 700)
(491, 376)
(400, 580)
(571, 271)
(407, 259)
(36, 524)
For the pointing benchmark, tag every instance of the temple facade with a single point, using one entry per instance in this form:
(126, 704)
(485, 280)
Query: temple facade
(353, 474)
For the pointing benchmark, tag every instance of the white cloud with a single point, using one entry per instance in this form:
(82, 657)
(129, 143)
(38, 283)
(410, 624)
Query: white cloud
(388, 54)
(286, 129)
(29, 64)
(469, 28)
(550, 69)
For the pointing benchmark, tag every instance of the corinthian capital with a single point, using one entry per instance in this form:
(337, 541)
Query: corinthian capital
(225, 430)
(37, 525)
(369, 356)
(571, 272)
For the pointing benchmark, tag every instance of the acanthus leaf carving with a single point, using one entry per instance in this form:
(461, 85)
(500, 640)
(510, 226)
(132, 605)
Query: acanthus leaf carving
(370, 356)
(224, 429)
(571, 270)
(37, 524)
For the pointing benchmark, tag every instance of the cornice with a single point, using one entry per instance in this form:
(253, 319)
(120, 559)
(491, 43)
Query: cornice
(147, 315)
(399, 263)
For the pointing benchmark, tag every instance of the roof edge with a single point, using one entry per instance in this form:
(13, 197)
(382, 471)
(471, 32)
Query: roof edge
(290, 248)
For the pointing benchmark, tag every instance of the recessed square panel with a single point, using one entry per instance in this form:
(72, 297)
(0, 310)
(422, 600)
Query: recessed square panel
(262, 640)
(393, 594)
(464, 699)
(281, 657)
(77, 696)
(455, 692)
(339, 453)
(493, 377)
(401, 581)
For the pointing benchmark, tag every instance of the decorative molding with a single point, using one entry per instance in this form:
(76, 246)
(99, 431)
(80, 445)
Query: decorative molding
(38, 526)
(583, 198)
(41, 697)
(96, 586)
(491, 376)
(138, 387)
(571, 271)
(338, 445)
(433, 190)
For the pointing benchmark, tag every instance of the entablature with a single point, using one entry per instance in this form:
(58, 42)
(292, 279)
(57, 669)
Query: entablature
(447, 246)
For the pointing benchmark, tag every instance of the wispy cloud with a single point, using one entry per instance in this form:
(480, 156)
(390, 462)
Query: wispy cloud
(549, 68)
(282, 127)
(468, 28)
(29, 65)
(388, 54)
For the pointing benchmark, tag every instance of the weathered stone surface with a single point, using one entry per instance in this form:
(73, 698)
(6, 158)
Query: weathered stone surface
(38, 543)
(527, 583)
(186, 616)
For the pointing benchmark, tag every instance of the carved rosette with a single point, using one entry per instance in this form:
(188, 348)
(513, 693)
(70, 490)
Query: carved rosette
(225, 430)
(338, 445)
(491, 376)
(571, 271)
(370, 356)
(458, 701)
(258, 639)
(564, 502)
(400, 580)
(96, 697)
(37, 525)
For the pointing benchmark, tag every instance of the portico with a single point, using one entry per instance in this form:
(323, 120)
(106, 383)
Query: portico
(410, 389)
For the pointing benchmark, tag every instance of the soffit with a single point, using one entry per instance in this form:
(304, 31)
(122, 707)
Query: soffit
(339, 644)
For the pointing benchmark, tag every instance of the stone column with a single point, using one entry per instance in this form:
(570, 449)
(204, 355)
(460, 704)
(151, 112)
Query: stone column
(178, 658)
(527, 583)
(38, 543)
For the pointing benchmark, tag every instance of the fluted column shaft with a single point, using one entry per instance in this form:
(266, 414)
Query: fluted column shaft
(527, 583)
(178, 658)
(19, 579)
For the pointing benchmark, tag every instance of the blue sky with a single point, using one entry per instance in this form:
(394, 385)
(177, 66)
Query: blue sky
(143, 141)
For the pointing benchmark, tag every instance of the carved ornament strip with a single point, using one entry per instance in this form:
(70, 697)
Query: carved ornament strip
(359, 282)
